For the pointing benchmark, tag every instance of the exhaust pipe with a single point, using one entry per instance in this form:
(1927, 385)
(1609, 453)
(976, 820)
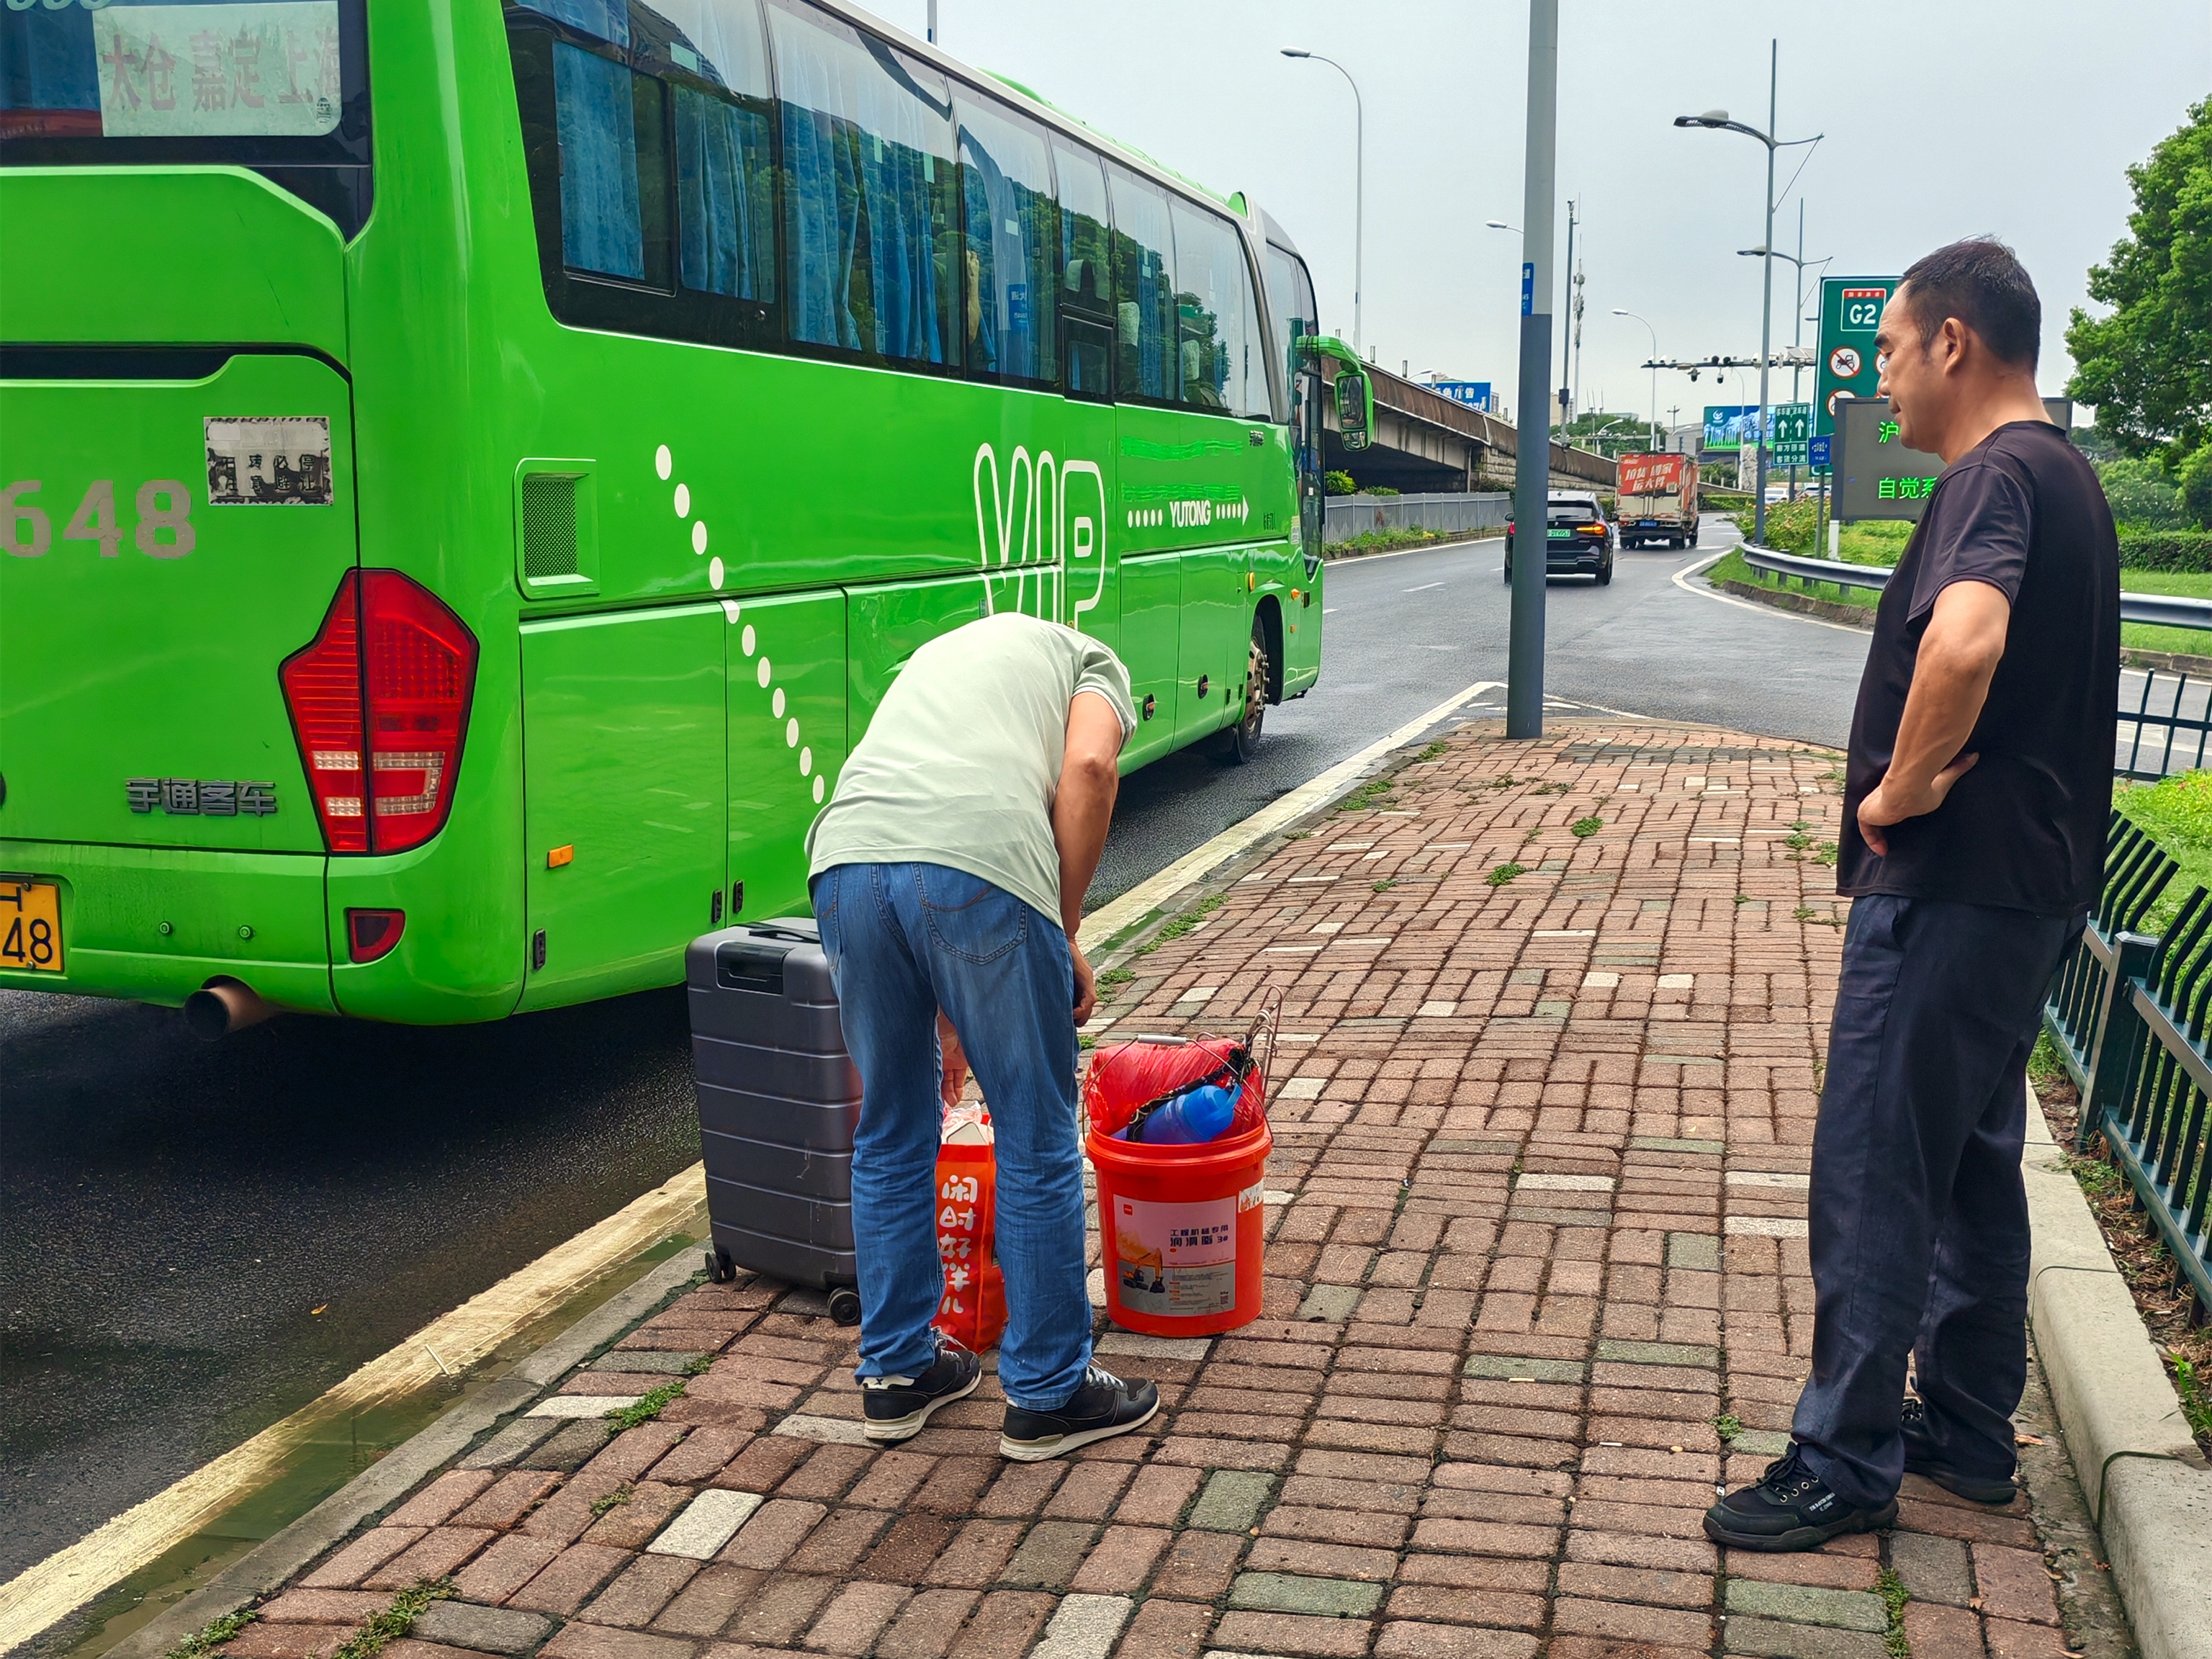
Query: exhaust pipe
(222, 1006)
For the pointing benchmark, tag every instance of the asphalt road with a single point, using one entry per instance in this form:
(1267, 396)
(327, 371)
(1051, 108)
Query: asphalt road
(175, 1213)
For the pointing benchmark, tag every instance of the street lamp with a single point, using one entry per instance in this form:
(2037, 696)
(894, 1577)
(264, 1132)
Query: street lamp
(1799, 319)
(1358, 183)
(1716, 120)
(1618, 312)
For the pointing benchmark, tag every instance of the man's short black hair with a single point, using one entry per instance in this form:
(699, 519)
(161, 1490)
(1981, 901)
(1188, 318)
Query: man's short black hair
(1981, 283)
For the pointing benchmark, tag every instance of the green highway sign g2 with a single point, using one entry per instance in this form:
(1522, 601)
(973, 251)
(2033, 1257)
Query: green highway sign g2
(1850, 311)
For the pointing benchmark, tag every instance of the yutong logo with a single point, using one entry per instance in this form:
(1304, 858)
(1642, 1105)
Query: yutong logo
(1035, 526)
(1185, 514)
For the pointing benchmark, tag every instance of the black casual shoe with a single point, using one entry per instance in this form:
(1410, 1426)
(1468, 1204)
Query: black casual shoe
(1103, 1407)
(1789, 1508)
(1921, 1459)
(896, 1407)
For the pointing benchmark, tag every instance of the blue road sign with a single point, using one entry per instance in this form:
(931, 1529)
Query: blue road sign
(1817, 449)
(1475, 394)
(1527, 287)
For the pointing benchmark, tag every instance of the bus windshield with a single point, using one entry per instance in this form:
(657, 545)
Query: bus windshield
(278, 85)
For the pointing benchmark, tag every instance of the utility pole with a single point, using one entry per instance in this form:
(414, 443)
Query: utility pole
(932, 22)
(1532, 466)
(1767, 300)
(1718, 119)
(1576, 380)
(1566, 342)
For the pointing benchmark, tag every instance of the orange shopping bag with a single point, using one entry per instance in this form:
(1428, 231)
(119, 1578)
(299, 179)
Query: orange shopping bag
(972, 1309)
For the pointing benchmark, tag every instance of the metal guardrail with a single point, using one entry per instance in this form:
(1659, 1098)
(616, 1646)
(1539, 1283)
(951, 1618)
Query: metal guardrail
(2166, 610)
(2128, 1011)
(2138, 725)
(1451, 512)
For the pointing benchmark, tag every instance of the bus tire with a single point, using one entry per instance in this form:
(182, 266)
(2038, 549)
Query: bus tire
(1244, 736)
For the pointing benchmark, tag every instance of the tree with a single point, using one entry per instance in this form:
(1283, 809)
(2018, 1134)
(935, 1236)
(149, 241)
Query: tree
(2147, 367)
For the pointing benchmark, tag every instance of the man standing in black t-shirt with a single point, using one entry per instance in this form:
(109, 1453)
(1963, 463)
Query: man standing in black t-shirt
(1975, 804)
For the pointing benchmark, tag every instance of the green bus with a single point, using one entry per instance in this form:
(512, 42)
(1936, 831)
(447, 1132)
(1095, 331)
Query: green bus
(468, 474)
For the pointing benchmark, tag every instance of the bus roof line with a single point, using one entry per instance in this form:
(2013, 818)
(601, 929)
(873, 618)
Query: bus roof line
(1235, 203)
(1073, 126)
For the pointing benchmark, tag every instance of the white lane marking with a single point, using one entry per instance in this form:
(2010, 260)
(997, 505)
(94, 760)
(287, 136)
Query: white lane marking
(1707, 592)
(1423, 588)
(1432, 547)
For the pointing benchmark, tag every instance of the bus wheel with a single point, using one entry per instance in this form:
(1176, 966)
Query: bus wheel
(1244, 736)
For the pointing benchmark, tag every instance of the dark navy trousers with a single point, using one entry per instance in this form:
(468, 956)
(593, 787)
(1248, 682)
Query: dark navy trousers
(1917, 1217)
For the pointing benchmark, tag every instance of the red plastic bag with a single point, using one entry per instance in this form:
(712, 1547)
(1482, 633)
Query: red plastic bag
(972, 1308)
(1126, 1076)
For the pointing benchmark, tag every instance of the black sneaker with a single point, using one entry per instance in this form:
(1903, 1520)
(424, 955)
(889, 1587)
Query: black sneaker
(896, 1407)
(1103, 1407)
(1920, 1458)
(1789, 1508)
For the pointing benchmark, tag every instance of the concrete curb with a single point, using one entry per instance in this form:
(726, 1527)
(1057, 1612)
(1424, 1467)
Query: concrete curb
(2148, 1486)
(269, 1565)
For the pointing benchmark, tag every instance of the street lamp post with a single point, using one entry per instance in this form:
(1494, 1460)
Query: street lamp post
(1799, 320)
(1532, 463)
(1717, 120)
(1654, 332)
(1358, 185)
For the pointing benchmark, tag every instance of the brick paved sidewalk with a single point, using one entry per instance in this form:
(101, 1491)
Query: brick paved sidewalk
(1536, 1210)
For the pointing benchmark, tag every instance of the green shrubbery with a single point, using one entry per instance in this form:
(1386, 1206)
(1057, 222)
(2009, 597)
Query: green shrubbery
(2165, 550)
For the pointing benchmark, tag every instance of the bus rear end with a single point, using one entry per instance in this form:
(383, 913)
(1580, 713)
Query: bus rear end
(202, 694)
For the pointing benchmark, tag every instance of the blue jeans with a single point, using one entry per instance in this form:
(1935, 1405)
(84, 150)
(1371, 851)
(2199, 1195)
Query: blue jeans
(903, 941)
(1918, 1218)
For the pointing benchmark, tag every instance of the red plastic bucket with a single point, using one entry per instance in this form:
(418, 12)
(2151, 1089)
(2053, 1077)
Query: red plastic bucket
(1181, 1228)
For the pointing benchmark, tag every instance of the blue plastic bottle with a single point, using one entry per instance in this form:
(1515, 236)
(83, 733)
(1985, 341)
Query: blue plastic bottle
(1190, 1119)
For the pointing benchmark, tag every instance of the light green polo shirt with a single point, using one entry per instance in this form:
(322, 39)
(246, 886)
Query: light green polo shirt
(961, 762)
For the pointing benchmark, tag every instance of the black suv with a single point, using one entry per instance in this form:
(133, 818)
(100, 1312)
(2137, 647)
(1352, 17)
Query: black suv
(1577, 539)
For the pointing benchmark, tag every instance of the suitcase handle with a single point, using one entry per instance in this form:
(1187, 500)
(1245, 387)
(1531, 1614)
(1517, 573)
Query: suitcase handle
(751, 967)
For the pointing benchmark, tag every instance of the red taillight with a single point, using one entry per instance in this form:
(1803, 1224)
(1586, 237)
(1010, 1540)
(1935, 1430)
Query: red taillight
(380, 702)
(322, 689)
(372, 933)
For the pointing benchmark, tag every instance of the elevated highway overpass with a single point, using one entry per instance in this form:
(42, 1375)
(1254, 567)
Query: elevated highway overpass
(1424, 441)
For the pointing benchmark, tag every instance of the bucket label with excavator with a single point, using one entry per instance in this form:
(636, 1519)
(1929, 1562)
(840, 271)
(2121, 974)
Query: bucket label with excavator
(1176, 1260)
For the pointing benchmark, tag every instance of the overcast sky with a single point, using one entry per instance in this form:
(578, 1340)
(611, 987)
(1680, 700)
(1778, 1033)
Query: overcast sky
(1943, 118)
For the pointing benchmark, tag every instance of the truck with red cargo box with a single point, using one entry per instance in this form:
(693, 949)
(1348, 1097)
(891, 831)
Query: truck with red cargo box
(1658, 500)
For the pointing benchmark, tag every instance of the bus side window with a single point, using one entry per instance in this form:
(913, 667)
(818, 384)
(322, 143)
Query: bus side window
(614, 153)
(1012, 316)
(871, 211)
(1216, 319)
(1290, 291)
(725, 160)
(1145, 320)
(1086, 277)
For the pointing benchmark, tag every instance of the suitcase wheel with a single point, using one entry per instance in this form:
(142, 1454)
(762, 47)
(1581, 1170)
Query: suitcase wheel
(845, 1306)
(720, 1270)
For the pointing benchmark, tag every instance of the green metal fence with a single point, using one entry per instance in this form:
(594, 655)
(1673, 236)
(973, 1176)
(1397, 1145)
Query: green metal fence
(2129, 1011)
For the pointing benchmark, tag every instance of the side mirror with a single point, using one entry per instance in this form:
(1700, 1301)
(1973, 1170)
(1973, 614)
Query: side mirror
(1355, 394)
(1355, 401)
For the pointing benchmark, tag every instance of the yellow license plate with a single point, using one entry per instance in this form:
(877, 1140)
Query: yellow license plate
(30, 925)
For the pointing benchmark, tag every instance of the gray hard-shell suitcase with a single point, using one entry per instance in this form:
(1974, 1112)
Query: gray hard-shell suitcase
(779, 1098)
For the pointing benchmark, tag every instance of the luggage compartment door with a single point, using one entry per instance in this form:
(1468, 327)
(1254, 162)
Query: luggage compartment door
(787, 702)
(626, 798)
(1151, 638)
